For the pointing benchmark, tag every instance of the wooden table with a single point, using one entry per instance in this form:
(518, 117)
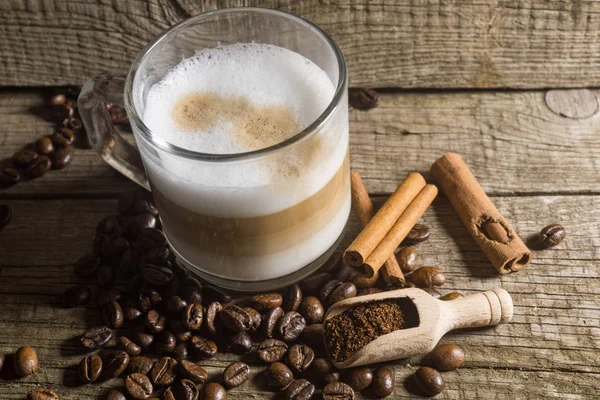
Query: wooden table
(536, 154)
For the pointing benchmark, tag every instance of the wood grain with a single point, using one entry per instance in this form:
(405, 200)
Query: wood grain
(416, 44)
(512, 141)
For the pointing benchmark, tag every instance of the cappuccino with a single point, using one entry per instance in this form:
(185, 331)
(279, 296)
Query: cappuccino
(260, 217)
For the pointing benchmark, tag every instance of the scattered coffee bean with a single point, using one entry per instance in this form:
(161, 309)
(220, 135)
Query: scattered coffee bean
(138, 386)
(115, 364)
(367, 291)
(61, 157)
(363, 98)
(235, 318)
(279, 376)
(428, 277)
(429, 381)
(360, 378)
(164, 371)
(432, 292)
(236, 374)
(44, 145)
(383, 382)
(214, 391)
(176, 304)
(269, 322)
(192, 371)
(77, 295)
(58, 99)
(90, 368)
(325, 371)
(314, 336)
(447, 357)
(327, 289)
(552, 235)
(180, 352)
(24, 158)
(240, 343)
(290, 326)
(362, 281)
(312, 310)
(166, 343)
(62, 137)
(418, 234)
(42, 394)
(181, 334)
(272, 350)
(105, 276)
(338, 391)
(300, 356)
(203, 348)
(266, 301)
(106, 296)
(96, 337)
(115, 395)
(150, 238)
(255, 319)
(192, 317)
(142, 206)
(293, 298)
(300, 389)
(143, 339)
(183, 389)
(315, 282)
(147, 298)
(140, 364)
(342, 292)
(191, 295)
(125, 344)
(75, 124)
(9, 176)
(451, 296)
(407, 259)
(87, 265)
(39, 167)
(113, 315)
(155, 322)
(140, 222)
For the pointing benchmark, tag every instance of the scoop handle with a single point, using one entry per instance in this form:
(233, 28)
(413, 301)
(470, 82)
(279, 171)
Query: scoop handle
(488, 308)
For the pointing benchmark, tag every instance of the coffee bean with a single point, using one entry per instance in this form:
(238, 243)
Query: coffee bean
(327, 289)
(312, 310)
(180, 352)
(112, 315)
(235, 318)
(90, 368)
(240, 343)
(325, 371)
(115, 364)
(429, 381)
(300, 356)
(42, 394)
(213, 294)
(269, 322)
(156, 275)
(236, 374)
(338, 391)
(24, 158)
(407, 259)
(150, 238)
(212, 323)
(58, 99)
(255, 319)
(115, 395)
(191, 295)
(61, 157)
(166, 343)
(432, 292)
(158, 256)
(192, 371)
(314, 335)
(96, 337)
(148, 298)
(279, 376)
(130, 312)
(143, 339)
(266, 301)
(342, 292)
(272, 350)
(105, 276)
(346, 273)
(367, 291)
(183, 389)
(118, 246)
(300, 389)
(552, 235)
(87, 265)
(39, 167)
(75, 124)
(76, 296)
(191, 317)
(9, 176)
(291, 325)
(155, 322)
(315, 282)
(175, 304)
(447, 357)
(452, 296)
(62, 137)
(203, 348)
(360, 378)
(142, 206)
(418, 234)
(293, 298)
(164, 371)
(125, 344)
(140, 222)
(363, 98)
(362, 281)
(44, 145)
(383, 382)
(140, 364)
(428, 277)
(138, 386)
(181, 334)
(106, 296)
(213, 391)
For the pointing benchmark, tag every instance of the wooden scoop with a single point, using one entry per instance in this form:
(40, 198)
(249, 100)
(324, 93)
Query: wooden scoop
(435, 318)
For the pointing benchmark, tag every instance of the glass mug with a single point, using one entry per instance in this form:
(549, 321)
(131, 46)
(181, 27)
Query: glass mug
(261, 236)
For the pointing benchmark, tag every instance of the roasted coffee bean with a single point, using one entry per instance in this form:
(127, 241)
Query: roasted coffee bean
(332, 377)
(428, 277)
(235, 318)
(61, 157)
(192, 371)
(42, 394)
(24, 158)
(213, 294)
(25, 361)
(266, 301)
(293, 298)
(115, 395)
(87, 265)
(270, 320)
(166, 343)
(175, 304)
(552, 235)
(143, 339)
(9, 176)
(300, 356)
(130, 312)
(432, 292)
(342, 292)
(360, 378)
(125, 344)
(272, 350)
(300, 389)
(142, 206)
(150, 238)
(106, 296)
(140, 364)
(155, 322)
(240, 343)
(147, 298)
(75, 124)
(236, 374)
(312, 310)
(325, 371)
(177, 328)
(113, 315)
(76, 296)
(314, 335)
(290, 326)
(363, 98)
(429, 380)
(447, 357)
(346, 274)
(451, 296)
(327, 289)
(362, 281)
(58, 99)
(138, 386)
(191, 317)
(202, 347)
(183, 389)
(180, 352)
(212, 323)
(255, 319)
(118, 246)
(407, 259)
(158, 256)
(62, 137)
(191, 294)
(279, 376)
(105, 276)
(419, 233)
(156, 275)
(96, 337)
(214, 391)
(164, 371)
(315, 282)
(140, 222)
(383, 382)
(44, 145)
(338, 391)
(39, 167)
(367, 291)
(115, 364)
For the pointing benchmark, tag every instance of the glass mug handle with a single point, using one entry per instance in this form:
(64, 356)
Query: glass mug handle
(106, 140)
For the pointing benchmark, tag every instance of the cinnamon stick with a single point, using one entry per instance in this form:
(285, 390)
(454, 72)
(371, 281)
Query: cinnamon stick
(383, 220)
(363, 207)
(408, 219)
(494, 235)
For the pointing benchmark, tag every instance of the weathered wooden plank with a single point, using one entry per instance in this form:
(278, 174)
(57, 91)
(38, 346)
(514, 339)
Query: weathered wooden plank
(548, 351)
(514, 143)
(416, 44)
